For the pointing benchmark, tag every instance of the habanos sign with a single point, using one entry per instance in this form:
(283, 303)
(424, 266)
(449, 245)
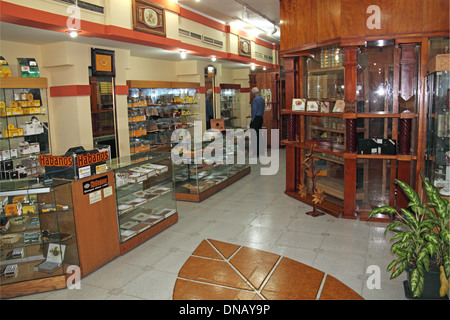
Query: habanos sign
(88, 159)
(82, 160)
(55, 161)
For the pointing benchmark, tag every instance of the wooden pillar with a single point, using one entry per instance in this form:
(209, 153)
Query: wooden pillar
(407, 87)
(291, 84)
(350, 65)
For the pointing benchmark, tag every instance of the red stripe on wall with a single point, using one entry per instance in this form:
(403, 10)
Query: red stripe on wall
(16, 14)
(245, 90)
(121, 89)
(70, 91)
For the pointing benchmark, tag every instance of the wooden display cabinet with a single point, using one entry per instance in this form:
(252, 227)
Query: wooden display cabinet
(156, 108)
(364, 146)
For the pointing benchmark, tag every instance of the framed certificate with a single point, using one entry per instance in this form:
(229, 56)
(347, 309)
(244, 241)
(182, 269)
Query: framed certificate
(298, 104)
(245, 47)
(339, 106)
(102, 62)
(312, 106)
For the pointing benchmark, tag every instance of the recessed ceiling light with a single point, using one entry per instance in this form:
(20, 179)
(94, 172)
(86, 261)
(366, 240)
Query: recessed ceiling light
(73, 33)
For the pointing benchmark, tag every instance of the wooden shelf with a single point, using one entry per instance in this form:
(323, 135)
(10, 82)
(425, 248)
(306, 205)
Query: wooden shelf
(162, 84)
(23, 83)
(314, 114)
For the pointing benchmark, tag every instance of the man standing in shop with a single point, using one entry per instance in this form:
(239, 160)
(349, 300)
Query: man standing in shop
(209, 109)
(257, 112)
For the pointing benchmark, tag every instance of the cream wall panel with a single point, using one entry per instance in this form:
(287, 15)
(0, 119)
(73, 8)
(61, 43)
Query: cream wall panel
(171, 24)
(119, 13)
(61, 9)
(69, 127)
(12, 50)
(201, 29)
(151, 69)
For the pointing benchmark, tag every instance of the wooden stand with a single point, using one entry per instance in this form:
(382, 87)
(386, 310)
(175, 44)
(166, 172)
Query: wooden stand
(96, 225)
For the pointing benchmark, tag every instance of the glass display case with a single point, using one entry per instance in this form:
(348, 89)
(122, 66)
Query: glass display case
(23, 126)
(103, 112)
(230, 105)
(208, 170)
(437, 155)
(37, 235)
(144, 193)
(156, 109)
(359, 108)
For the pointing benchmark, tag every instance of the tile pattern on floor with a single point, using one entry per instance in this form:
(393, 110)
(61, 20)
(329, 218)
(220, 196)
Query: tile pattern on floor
(218, 270)
(253, 212)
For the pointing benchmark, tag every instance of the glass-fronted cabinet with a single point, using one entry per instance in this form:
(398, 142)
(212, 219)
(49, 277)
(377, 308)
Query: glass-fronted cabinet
(37, 235)
(103, 112)
(155, 109)
(230, 105)
(207, 167)
(437, 157)
(144, 192)
(23, 126)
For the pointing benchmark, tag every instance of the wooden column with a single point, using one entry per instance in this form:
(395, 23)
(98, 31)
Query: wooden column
(350, 65)
(407, 80)
(291, 76)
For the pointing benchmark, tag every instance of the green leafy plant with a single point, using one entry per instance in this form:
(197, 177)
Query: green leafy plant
(422, 236)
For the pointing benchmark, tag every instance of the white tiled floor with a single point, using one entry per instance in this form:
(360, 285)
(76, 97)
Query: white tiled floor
(253, 212)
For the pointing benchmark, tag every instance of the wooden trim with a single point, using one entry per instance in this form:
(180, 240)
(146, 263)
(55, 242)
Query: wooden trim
(135, 241)
(19, 83)
(208, 193)
(33, 286)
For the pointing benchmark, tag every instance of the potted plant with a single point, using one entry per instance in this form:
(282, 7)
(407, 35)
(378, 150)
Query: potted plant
(422, 241)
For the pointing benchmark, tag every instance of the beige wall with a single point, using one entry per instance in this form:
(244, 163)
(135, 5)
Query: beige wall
(67, 64)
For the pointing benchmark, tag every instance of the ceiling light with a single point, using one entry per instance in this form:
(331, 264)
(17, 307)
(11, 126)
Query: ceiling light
(183, 54)
(213, 58)
(252, 66)
(73, 33)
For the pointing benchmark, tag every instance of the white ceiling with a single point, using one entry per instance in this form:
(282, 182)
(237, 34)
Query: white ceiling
(226, 11)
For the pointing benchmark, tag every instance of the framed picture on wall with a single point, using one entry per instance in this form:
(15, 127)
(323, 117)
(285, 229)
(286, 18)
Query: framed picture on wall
(149, 17)
(102, 62)
(245, 47)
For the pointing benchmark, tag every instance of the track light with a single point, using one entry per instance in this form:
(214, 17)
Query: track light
(213, 58)
(183, 54)
(245, 14)
(274, 30)
(252, 66)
